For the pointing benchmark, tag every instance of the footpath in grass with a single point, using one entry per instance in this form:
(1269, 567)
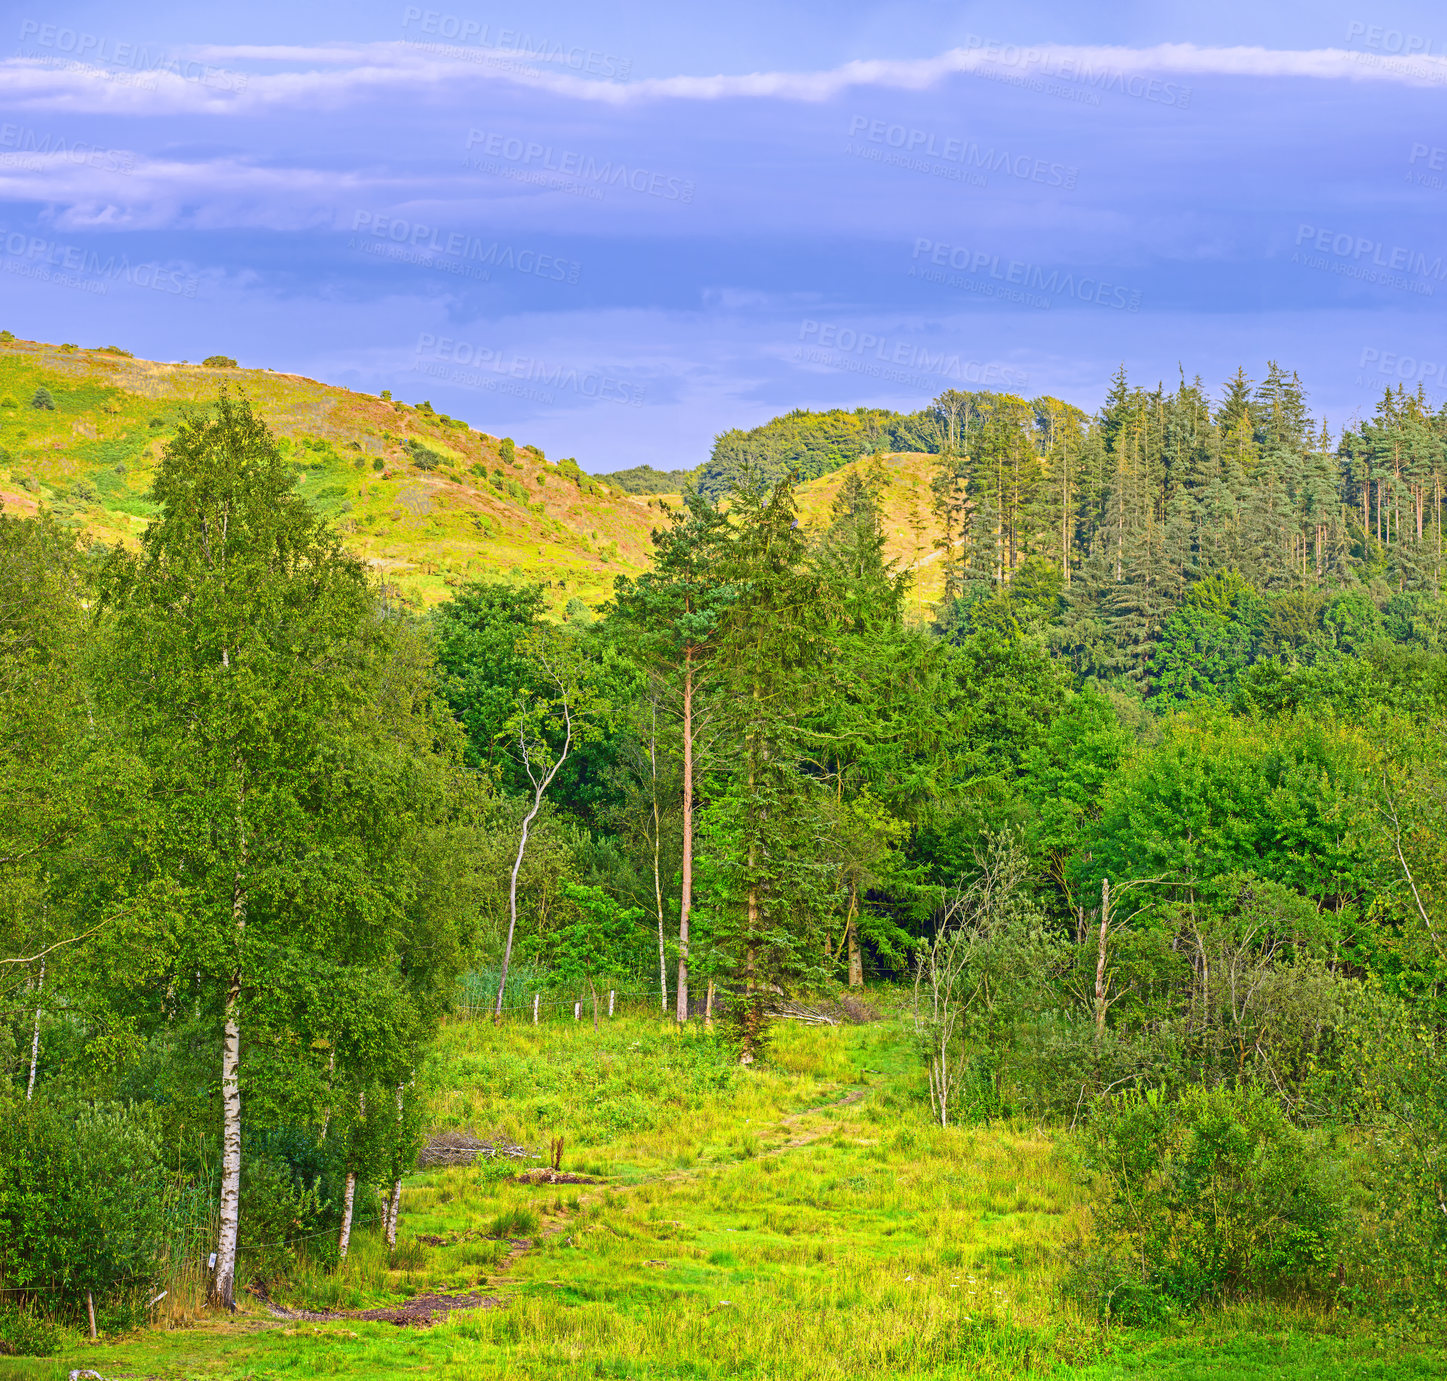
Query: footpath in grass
(798, 1218)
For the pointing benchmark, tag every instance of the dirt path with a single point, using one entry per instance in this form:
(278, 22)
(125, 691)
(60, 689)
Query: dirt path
(424, 1310)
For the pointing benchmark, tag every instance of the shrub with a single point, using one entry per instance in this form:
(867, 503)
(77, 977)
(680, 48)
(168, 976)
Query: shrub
(22, 1334)
(379, 464)
(1211, 1197)
(219, 362)
(422, 455)
(82, 1199)
(278, 1213)
(506, 450)
(41, 399)
(6, 337)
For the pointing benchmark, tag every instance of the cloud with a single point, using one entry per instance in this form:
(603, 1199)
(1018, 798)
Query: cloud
(336, 75)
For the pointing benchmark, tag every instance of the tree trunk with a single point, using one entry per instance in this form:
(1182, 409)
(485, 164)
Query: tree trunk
(686, 898)
(391, 1217)
(512, 903)
(345, 1240)
(35, 1036)
(392, 1214)
(708, 1006)
(327, 1115)
(224, 1288)
(856, 963)
(657, 880)
(540, 785)
(1100, 958)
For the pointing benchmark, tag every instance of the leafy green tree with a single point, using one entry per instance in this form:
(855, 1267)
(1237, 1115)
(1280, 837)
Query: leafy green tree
(594, 945)
(244, 656)
(481, 633)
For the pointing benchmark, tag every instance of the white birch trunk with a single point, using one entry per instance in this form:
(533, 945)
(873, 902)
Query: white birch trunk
(35, 1036)
(540, 785)
(344, 1241)
(224, 1288)
(392, 1214)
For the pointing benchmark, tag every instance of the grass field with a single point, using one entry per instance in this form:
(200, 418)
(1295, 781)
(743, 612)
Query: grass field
(798, 1218)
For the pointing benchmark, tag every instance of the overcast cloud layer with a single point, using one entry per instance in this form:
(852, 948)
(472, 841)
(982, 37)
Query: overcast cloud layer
(617, 237)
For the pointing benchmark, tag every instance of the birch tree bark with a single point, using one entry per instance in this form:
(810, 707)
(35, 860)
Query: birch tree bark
(35, 1036)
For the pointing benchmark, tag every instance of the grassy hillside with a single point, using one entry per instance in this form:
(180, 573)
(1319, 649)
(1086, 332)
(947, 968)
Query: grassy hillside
(910, 526)
(424, 499)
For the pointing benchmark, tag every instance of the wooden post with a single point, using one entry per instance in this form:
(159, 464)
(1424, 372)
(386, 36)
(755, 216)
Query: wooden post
(610, 1004)
(708, 1005)
(535, 1008)
(577, 1009)
(90, 1309)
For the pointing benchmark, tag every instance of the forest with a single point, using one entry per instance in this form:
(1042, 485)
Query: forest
(1140, 835)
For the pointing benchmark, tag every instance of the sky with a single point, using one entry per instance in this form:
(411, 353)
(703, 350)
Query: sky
(615, 231)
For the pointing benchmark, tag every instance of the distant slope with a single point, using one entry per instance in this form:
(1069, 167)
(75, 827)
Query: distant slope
(910, 526)
(425, 500)
(644, 479)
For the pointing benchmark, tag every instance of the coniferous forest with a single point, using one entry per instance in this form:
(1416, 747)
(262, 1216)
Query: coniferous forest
(1124, 867)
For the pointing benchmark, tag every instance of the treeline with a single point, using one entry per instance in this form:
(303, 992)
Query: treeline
(805, 445)
(644, 479)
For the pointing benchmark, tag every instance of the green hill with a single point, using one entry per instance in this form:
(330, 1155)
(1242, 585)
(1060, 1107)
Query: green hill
(424, 498)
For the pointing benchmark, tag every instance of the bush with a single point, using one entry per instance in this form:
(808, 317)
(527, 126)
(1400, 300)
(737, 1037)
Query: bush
(1208, 1198)
(82, 1199)
(423, 456)
(219, 362)
(41, 399)
(22, 1334)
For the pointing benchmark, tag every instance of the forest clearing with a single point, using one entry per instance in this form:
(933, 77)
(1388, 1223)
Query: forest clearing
(750, 1223)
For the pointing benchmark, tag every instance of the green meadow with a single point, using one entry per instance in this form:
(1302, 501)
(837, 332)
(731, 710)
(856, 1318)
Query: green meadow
(800, 1217)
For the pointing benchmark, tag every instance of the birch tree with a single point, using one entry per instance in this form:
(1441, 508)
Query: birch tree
(241, 651)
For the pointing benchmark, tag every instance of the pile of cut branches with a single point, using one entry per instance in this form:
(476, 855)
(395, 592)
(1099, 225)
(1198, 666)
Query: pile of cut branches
(465, 1146)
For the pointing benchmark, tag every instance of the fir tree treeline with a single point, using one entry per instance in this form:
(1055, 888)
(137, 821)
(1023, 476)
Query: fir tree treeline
(1122, 514)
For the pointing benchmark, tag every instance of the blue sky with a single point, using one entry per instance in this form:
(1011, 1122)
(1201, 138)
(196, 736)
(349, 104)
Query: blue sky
(616, 231)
